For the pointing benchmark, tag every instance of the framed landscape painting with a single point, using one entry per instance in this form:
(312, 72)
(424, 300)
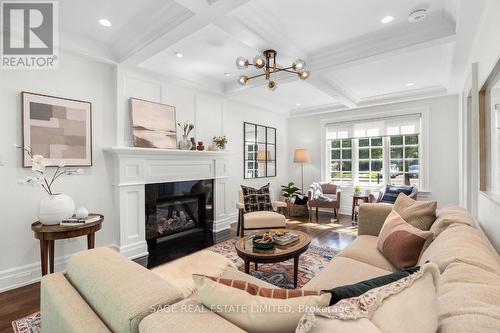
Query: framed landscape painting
(153, 124)
(60, 129)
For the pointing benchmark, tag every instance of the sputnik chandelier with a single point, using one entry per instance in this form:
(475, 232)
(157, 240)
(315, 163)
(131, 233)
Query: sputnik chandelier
(267, 62)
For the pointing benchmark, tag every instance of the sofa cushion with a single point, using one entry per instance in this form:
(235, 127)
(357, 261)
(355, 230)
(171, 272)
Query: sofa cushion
(341, 271)
(264, 219)
(187, 316)
(119, 291)
(179, 272)
(392, 192)
(400, 242)
(420, 214)
(468, 299)
(461, 243)
(364, 249)
(255, 313)
(324, 325)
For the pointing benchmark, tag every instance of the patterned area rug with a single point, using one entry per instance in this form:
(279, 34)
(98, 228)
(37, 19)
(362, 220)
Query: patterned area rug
(281, 274)
(28, 324)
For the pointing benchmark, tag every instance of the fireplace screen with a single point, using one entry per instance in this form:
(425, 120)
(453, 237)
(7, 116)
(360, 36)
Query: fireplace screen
(175, 207)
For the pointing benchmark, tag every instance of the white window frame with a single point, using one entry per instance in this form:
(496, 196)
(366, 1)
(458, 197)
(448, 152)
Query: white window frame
(369, 114)
(340, 149)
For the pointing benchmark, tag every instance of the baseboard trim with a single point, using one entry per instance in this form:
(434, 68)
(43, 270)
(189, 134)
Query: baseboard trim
(225, 223)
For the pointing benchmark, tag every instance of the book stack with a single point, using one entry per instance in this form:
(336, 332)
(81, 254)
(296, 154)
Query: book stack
(79, 221)
(286, 239)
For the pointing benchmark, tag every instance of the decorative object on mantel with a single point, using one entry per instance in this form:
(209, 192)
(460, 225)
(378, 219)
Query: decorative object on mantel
(58, 128)
(153, 124)
(200, 146)
(55, 206)
(193, 143)
(267, 62)
(185, 143)
(220, 142)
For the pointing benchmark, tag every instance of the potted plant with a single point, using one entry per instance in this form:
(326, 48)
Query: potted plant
(55, 207)
(358, 190)
(289, 190)
(220, 142)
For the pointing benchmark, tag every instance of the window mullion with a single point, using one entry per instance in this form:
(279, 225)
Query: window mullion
(355, 161)
(386, 163)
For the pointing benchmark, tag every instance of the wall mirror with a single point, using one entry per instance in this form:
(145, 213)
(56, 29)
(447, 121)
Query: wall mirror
(489, 129)
(259, 158)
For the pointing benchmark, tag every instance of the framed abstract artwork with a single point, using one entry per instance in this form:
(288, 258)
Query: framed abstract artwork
(153, 124)
(58, 128)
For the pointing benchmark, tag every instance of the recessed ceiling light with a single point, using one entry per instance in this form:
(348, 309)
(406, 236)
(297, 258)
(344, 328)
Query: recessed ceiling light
(410, 84)
(104, 22)
(298, 104)
(227, 74)
(387, 19)
(179, 55)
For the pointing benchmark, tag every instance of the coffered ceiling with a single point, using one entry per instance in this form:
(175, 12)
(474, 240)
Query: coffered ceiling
(354, 59)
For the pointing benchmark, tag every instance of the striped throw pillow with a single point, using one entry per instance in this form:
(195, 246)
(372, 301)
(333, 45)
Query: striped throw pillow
(256, 290)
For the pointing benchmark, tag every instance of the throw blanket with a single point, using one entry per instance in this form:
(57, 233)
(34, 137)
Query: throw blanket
(317, 193)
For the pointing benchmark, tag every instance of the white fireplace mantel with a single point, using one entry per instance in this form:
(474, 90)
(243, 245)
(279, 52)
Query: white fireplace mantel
(135, 167)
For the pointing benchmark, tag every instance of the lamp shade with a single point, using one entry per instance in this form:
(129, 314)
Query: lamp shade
(301, 156)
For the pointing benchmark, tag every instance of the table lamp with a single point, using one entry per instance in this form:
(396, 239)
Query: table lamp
(302, 156)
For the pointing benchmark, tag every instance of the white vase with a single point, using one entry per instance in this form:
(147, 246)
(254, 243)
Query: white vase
(185, 143)
(54, 208)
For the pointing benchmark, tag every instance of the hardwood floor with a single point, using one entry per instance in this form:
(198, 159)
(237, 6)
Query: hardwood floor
(20, 302)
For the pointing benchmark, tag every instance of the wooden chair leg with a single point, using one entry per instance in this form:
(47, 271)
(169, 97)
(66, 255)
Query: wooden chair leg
(239, 223)
(242, 230)
(317, 213)
(335, 213)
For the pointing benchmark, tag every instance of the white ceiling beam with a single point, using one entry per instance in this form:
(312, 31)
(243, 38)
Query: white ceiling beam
(198, 15)
(435, 30)
(342, 96)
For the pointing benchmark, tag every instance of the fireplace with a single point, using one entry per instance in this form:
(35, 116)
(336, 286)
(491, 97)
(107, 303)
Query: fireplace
(177, 208)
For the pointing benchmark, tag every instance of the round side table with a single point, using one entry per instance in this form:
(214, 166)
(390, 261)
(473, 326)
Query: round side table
(47, 234)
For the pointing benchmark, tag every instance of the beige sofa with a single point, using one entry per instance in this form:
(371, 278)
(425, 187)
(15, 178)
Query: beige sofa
(103, 292)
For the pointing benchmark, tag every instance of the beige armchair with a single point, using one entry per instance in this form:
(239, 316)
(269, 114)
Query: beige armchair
(332, 192)
(262, 219)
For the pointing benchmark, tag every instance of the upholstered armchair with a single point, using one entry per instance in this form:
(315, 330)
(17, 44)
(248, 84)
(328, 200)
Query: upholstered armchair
(260, 219)
(378, 196)
(331, 199)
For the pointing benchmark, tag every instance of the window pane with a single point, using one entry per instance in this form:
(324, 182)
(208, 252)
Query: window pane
(396, 140)
(335, 166)
(347, 176)
(411, 140)
(397, 152)
(364, 166)
(377, 166)
(336, 175)
(411, 152)
(346, 166)
(335, 143)
(364, 153)
(411, 166)
(377, 142)
(364, 142)
(335, 154)
(347, 143)
(346, 154)
(377, 153)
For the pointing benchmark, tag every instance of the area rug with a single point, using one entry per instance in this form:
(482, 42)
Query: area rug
(28, 324)
(281, 274)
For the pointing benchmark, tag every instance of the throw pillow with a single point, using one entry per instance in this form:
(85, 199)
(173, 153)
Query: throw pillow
(254, 313)
(407, 305)
(420, 214)
(358, 289)
(391, 193)
(400, 242)
(256, 200)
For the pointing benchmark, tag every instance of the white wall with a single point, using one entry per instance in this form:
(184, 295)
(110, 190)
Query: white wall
(486, 52)
(442, 136)
(108, 88)
(76, 78)
(212, 115)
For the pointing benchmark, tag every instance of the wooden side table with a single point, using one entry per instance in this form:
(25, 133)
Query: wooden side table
(47, 234)
(355, 203)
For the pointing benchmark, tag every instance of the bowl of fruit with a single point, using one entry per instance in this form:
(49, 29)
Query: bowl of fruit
(263, 241)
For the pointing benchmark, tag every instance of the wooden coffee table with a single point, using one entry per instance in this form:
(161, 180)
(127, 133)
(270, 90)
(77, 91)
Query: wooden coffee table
(245, 249)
